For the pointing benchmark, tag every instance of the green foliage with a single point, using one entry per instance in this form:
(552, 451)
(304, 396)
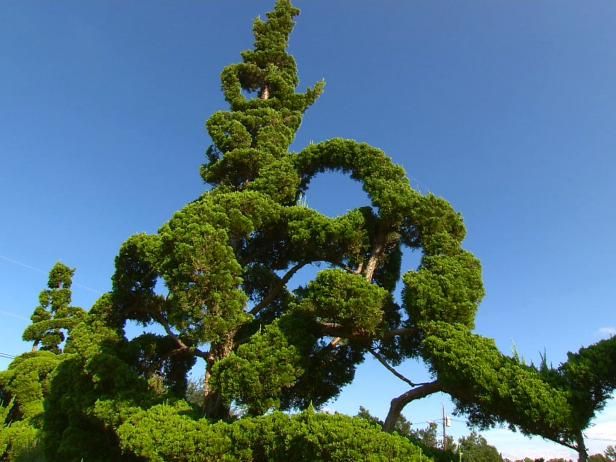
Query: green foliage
(23, 387)
(590, 374)
(53, 319)
(215, 280)
(475, 448)
(258, 372)
(346, 299)
(91, 392)
(490, 387)
(226, 258)
(163, 433)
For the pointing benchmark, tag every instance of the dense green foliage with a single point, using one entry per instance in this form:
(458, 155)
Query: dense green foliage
(216, 282)
(162, 434)
(23, 388)
(54, 317)
(474, 447)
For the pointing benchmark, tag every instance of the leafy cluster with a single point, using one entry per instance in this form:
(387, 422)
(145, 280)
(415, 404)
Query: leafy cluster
(54, 316)
(162, 434)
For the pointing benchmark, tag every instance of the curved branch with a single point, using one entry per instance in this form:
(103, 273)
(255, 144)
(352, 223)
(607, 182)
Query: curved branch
(276, 289)
(181, 345)
(398, 403)
(382, 360)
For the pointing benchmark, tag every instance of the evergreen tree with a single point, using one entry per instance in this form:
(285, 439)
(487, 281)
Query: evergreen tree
(53, 319)
(226, 261)
(474, 447)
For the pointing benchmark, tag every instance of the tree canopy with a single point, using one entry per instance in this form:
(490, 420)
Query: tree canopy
(216, 282)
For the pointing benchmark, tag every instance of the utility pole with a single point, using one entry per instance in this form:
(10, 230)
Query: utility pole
(444, 430)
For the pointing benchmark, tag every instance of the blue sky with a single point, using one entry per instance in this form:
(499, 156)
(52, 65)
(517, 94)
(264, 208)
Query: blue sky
(505, 108)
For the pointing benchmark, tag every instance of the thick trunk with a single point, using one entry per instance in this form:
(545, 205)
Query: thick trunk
(397, 404)
(213, 404)
(375, 258)
(581, 448)
(376, 254)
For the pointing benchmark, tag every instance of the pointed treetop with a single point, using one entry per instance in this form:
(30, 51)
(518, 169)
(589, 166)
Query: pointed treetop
(61, 276)
(268, 69)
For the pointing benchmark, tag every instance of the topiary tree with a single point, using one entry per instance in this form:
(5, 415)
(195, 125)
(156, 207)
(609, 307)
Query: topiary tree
(226, 259)
(557, 403)
(225, 263)
(53, 319)
(26, 383)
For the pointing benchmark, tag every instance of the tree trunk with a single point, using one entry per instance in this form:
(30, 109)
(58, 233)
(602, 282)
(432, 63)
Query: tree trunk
(397, 404)
(213, 404)
(265, 92)
(581, 448)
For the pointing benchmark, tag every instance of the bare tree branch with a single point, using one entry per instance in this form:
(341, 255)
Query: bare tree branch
(382, 360)
(278, 286)
(182, 346)
(397, 404)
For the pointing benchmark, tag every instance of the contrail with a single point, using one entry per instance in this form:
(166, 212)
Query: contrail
(13, 315)
(38, 270)
(18, 263)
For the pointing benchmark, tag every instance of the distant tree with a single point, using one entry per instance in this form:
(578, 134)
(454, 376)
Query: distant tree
(429, 435)
(364, 413)
(598, 458)
(53, 319)
(475, 448)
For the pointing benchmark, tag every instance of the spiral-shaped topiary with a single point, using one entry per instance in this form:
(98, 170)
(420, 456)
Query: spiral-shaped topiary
(226, 258)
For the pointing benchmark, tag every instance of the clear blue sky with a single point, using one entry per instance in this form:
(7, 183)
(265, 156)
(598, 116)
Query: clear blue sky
(505, 108)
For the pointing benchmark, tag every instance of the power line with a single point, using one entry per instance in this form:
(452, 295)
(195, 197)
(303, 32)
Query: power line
(6, 356)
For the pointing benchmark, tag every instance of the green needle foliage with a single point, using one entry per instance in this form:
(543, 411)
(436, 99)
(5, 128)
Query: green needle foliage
(215, 283)
(226, 259)
(53, 319)
(23, 388)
